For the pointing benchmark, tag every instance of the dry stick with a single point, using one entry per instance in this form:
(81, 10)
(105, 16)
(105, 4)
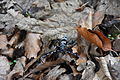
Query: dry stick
(43, 66)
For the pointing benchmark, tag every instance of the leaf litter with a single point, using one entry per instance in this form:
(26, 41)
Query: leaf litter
(37, 44)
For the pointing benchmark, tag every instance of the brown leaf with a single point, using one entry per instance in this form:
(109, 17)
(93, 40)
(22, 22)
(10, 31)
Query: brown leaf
(95, 37)
(106, 44)
(32, 45)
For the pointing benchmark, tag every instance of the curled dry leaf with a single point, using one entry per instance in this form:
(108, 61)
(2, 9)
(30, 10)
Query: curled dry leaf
(95, 37)
(32, 45)
(106, 44)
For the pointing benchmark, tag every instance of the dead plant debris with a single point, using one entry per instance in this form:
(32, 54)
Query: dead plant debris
(59, 40)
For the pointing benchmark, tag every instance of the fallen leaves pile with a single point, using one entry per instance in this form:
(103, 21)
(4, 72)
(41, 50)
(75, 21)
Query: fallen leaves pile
(37, 52)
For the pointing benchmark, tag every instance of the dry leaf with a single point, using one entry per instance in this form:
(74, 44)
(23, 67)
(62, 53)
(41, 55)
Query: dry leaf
(34, 60)
(80, 60)
(95, 37)
(74, 49)
(32, 45)
(93, 50)
(67, 77)
(83, 46)
(4, 67)
(98, 18)
(75, 72)
(105, 41)
(105, 68)
(88, 73)
(8, 52)
(92, 19)
(116, 45)
(18, 68)
(14, 39)
(44, 65)
(87, 21)
(54, 73)
(3, 42)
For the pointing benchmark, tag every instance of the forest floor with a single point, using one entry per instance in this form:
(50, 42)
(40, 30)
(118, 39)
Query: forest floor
(59, 40)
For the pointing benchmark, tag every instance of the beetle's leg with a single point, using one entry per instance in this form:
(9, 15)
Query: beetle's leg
(42, 58)
(74, 54)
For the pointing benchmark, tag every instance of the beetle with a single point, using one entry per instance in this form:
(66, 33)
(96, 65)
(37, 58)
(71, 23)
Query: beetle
(61, 46)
